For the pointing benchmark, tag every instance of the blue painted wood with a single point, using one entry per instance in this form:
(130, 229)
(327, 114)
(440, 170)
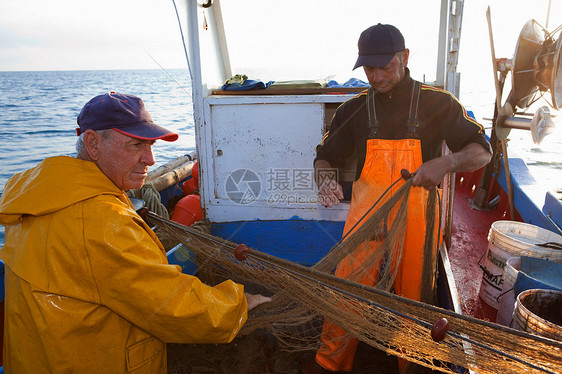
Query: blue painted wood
(301, 241)
(172, 192)
(529, 211)
(553, 208)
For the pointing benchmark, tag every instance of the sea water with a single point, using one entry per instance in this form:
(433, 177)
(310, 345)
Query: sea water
(38, 113)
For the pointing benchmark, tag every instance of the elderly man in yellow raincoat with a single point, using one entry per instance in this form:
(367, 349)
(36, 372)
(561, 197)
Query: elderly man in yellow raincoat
(88, 285)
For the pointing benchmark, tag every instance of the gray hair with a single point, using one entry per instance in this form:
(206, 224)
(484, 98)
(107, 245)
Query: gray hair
(81, 148)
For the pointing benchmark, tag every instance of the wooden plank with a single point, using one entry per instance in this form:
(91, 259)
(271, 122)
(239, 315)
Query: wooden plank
(453, 292)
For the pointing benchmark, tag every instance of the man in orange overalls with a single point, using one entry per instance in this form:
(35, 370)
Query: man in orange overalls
(397, 123)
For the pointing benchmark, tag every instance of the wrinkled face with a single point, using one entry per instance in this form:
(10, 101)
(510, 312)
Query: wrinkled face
(384, 79)
(124, 160)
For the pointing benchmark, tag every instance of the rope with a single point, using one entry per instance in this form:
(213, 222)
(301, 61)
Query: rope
(381, 319)
(151, 197)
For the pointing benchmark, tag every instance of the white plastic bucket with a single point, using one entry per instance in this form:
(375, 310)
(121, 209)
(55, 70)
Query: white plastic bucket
(538, 312)
(512, 239)
(507, 296)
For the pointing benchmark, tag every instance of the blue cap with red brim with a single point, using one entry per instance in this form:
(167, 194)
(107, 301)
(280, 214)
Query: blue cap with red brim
(123, 113)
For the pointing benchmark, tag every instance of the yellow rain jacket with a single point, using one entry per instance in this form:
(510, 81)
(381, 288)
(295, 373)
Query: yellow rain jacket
(88, 285)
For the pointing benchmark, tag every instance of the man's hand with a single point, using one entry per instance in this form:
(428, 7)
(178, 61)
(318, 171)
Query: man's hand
(472, 157)
(430, 173)
(330, 192)
(256, 299)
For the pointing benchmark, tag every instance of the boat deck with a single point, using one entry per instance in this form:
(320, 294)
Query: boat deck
(258, 353)
(469, 242)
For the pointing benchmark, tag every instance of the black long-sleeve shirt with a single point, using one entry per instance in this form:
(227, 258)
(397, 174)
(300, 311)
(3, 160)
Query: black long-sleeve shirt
(440, 117)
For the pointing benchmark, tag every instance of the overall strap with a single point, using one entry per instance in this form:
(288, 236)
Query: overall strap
(374, 122)
(413, 118)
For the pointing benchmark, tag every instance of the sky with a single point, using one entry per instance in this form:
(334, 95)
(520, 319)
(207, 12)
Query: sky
(89, 35)
(144, 34)
(133, 34)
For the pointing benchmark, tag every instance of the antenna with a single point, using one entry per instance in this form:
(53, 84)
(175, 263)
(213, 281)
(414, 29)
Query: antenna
(548, 13)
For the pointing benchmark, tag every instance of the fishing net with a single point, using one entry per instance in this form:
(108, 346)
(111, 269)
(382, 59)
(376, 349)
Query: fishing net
(304, 296)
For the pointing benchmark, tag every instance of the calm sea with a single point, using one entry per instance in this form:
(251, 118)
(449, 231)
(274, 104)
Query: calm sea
(38, 117)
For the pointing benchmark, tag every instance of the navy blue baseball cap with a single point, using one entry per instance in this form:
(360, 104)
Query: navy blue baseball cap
(123, 113)
(378, 45)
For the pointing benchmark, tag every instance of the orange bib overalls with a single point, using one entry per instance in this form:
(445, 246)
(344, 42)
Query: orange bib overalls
(383, 163)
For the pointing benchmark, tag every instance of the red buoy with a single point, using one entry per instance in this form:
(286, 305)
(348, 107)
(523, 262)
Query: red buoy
(439, 329)
(240, 252)
(189, 186)
(195, 173)
(188, 210)
(405, 173)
